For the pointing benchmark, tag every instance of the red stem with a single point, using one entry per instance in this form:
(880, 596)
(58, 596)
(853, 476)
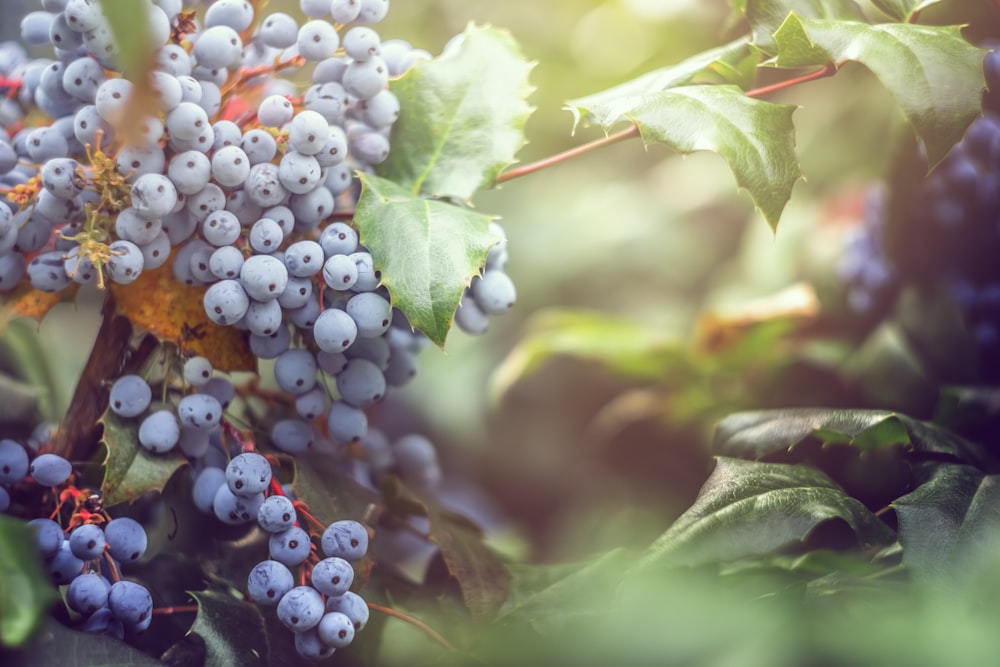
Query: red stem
(426, 629)
(634, 130)
(183, 609)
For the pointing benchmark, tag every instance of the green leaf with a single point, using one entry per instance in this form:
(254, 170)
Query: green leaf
(129, 470)
(603, 107)
(638, 351)
(903, 10)
(766, 16)
(767, 433)
(233, 631)
(748, 509)
(756, 138)
(58, 645)
(129, 24)
(330, 494)
(461, 118)
(426, 250)
(25, 591)
(935, 75)
(949, 521)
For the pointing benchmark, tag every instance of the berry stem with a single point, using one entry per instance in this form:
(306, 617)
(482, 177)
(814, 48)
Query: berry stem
(303, 509)
(423, 627)
(115, 574)
(182, 609)
(634, 130)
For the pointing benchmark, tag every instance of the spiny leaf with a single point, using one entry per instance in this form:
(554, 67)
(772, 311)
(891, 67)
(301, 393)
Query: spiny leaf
(935, 75)
(949, 520)
(25, 592)
(426, 250)
(750, 509)
(233, 631)
(462, 116)
(903, 10)
(766, 16)
(129, 470)
(58, 645)
(603, 108)
(757, 435)
(175, 312)
(756, 138)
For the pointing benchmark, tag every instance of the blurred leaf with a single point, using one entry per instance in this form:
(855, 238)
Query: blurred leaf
(903, 10)
(604, 107)
(935, 75)
(24, 300)
(234, 633)
(628, 348)
(796, 305)
(548, 597)
(129, 470)
(462, 117)
(480, 574)
(129, 22)
(949, 521)
(17, 399)
(175, 312)
(756, 138)
(757, 435)
(766, 16)
(748, 508)
(330, 494)
(25, 591)
(58, 645)
(427, 251)
(965, 407)
(888, 372)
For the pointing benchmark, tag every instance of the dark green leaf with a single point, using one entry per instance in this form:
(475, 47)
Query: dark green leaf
(766, 16)
(330, 494)
(25, 591)
(962, 408)
(480, 574)
(129, 469)
(935, 75)
(638, 351)
(749, 509)
(462, 117)
(603, 108)
(756, 138)
(58, 645)
(949, 521)
(758, 435)
(233, 631)
(427, 250)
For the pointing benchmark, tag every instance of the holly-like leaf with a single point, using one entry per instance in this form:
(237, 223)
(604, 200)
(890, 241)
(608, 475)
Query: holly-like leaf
(58, 645)
(330, 494)
(233, 631)
(462, 116)
(749, 509)
(935, 75)
(175, 312)
(949, 521)
(766, 16)
(480, 574)
(426, 250)
(770, 433)
(603, 108)
(756, 138)
(903, 10)
(129, 470)
(25, 591)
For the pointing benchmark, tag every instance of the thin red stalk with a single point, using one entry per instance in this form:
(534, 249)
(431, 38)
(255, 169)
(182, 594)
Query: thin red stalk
(423, 627)
(634, 130)
(183, 609)
(303, 509)
(566, 155)
(115, 574)
(781, 85)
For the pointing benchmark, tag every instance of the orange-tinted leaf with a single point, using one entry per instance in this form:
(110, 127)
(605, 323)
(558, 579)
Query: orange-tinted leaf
(797, 305)
(26, 301)
(174, 312)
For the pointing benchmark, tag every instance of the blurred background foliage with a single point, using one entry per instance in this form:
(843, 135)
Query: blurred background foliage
(576, 458)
